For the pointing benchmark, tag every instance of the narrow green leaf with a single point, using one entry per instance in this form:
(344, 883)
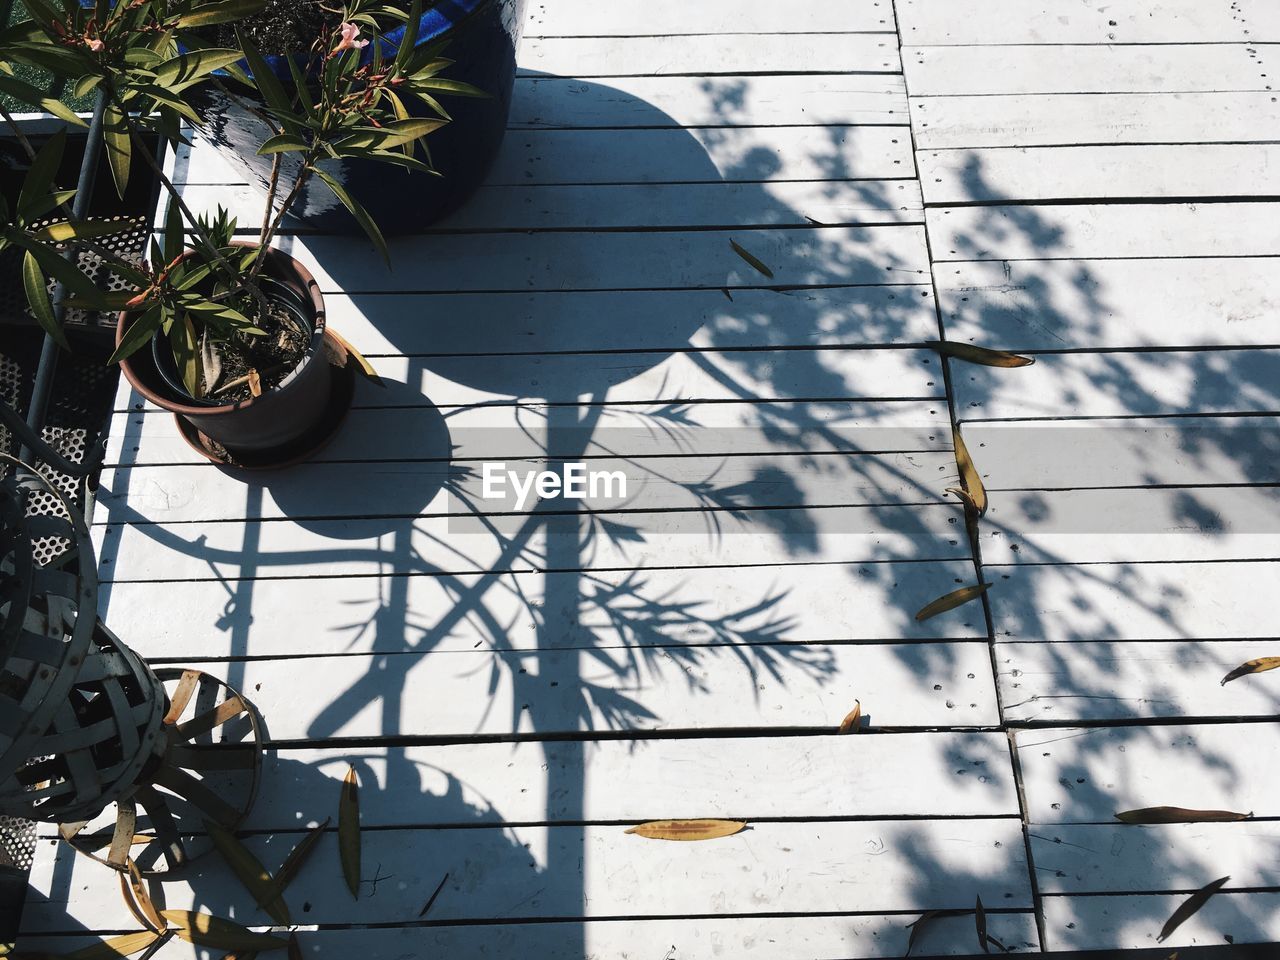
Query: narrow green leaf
(265, 80)
(186, 354)
(22, 91)
(295, 860)
(357, 211)
(410, 39)
(349, 831)
(76, 230)
(173, 233)
(751, 259)
(115, 135)
(138, 334)
(38, 297)
(39, 179)
(454, 88)
(282, 143)
(187, 68)
(224, 12)
(248, 869)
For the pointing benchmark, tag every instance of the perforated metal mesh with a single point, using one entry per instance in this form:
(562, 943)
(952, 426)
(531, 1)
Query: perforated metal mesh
(128, 243)
(17, 842)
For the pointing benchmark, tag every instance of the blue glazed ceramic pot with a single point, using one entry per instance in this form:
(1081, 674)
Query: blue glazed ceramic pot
(483, 36)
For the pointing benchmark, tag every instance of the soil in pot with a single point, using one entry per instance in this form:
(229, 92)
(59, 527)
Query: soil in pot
(284, 26)
(231, 365)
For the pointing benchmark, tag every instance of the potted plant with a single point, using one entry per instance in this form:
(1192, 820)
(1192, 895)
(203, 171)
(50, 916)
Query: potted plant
(479, 37)
(228, 334)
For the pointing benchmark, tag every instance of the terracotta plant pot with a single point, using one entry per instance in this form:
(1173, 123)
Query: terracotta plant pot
(284, 414)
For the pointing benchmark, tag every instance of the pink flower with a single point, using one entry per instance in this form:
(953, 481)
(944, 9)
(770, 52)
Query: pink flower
(94, 44)
(349, 42)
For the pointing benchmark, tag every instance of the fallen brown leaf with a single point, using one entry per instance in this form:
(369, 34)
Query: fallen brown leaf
(687, 829)
(852, 722)
(1179, 815)
(951, 600)
(1261, 665)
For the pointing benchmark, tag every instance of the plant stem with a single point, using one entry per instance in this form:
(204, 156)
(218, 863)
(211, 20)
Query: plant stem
(271, 196)
(248, 282)
(101, 252)
(17, 132)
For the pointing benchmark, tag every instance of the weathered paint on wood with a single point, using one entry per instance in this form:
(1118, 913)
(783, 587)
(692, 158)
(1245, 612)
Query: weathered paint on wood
(839, 937)
(1133, 601)
(1226, 766)
(989, 22)
(1110, 230)
(1136, 384)
(664, 155)
(707, 54)
(1100, 173)
(1134, 921)
(586, 18)
(773, 867)
(1083, 68)
(1107, 304)
(1029, 120)
(790, 603)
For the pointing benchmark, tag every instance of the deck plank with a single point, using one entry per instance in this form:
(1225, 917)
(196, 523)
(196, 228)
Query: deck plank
(808, 776)
(788, 603)
(1133, 922)
(1105, 231)
(775, 867)
(819, 256)
(1029, 120)
(1199, 766)
(709, 55)
(1125, 384)
(1133, 601)
(992, 22)
(664, 155)
(809, 99)
(1083, 68)
(492, 693)
(644, 206)
(828, 937)
(996, 175)
(585, 18)
(1106, 304)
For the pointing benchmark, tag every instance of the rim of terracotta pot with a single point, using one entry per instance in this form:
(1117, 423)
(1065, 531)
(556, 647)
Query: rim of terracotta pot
(281, 261)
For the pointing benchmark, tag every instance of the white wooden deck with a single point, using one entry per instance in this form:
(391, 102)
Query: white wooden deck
(1094, 188)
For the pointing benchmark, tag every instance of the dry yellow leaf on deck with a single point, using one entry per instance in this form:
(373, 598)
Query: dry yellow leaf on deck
(1261, 665)
(951, 600)
(853, 720)
(687, 829)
